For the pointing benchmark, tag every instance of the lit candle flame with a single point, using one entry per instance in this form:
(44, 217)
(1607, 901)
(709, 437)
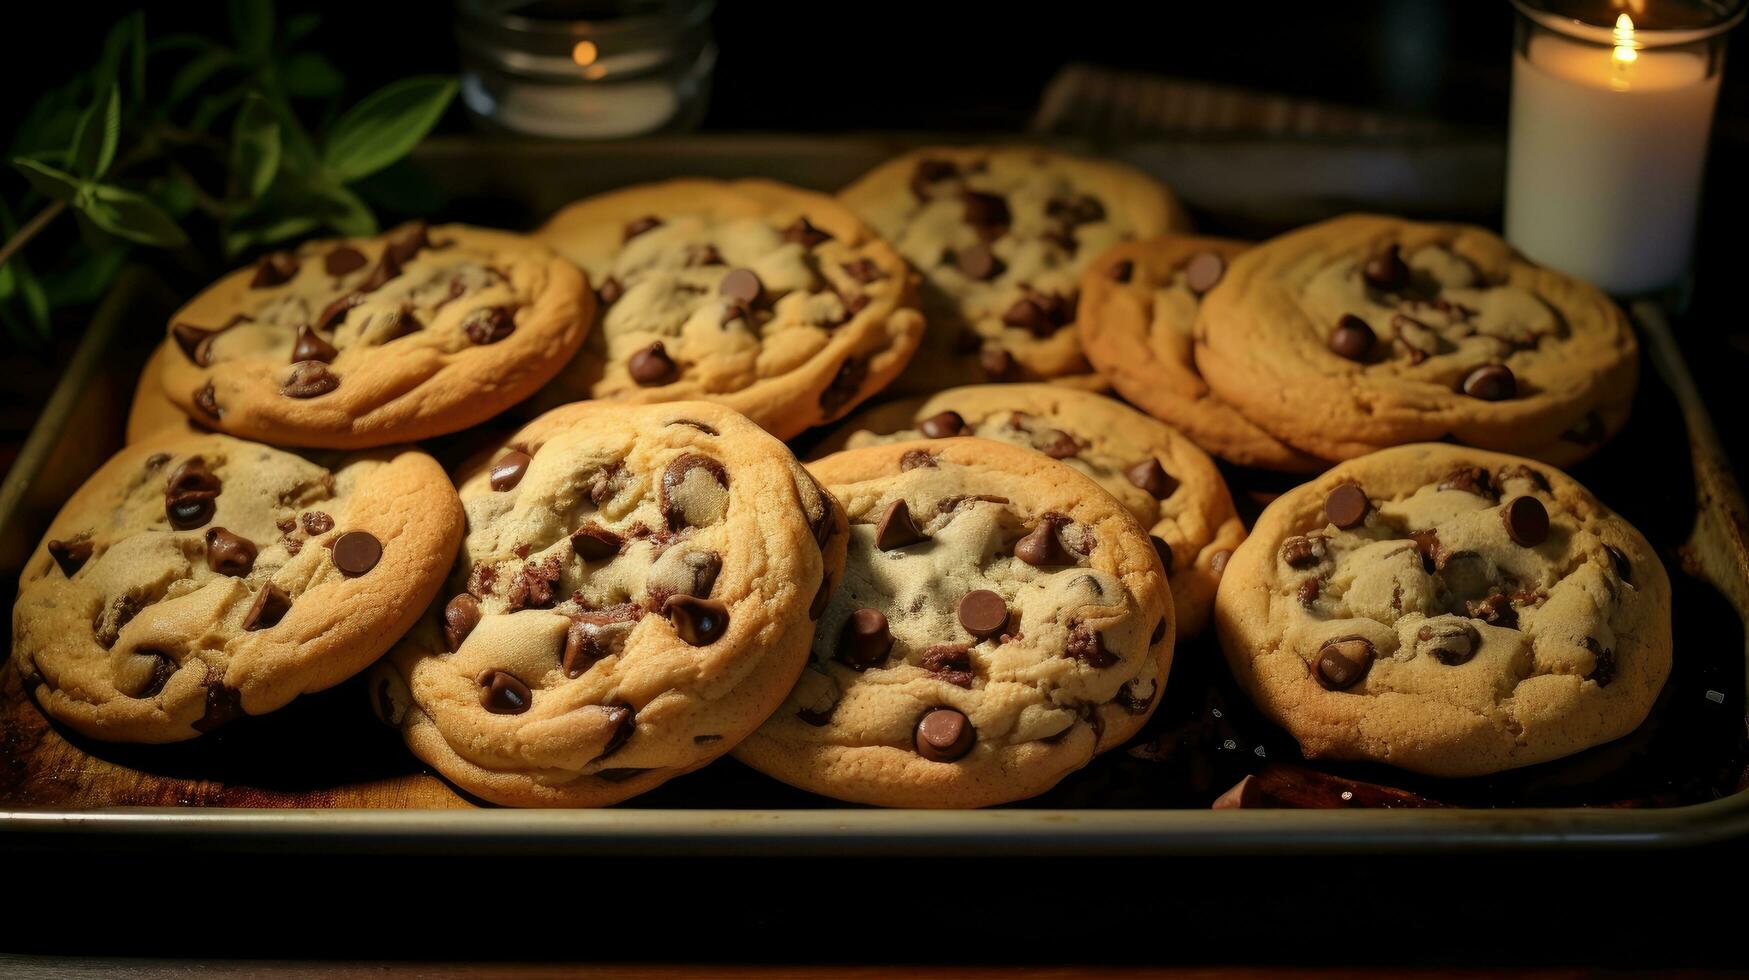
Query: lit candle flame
(1626, 48)
(585, 52)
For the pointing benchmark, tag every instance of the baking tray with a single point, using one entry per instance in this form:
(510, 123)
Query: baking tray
(302, 778)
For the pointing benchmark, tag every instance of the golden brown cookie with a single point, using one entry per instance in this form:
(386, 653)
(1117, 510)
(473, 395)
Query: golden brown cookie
(196, 578)
(1001, 235)
(635, 595)
(151, 409)
(1001, 620)
(1368, 331)
(1446, 610)
(774, 301)
(1137, 323)
(364, 342)
(1171, 487)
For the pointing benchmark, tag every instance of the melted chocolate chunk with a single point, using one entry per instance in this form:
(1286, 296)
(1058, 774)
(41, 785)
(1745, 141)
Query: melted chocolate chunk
(274, 269)
(1449, 643)
(915, 458)
(223, 704)
(864, 640)
(987, 214)
(950, 662)
(229, 554)
(944, 735)
(844, 385)
(1341, 663)
(503, 694)
(896, 529)
(162, 668)
(460, 615)
(1491, 383)
(1603, 662)
(1304, 551)
(1352, 338)
(1386, 271)
(652, 366)
(1526, 521)
(1041, 547)
(978, 263)
(1470, 479)
(309, 379)
(700, 622)
(489, 325)
(316, 522)
(508, 471)
(592, 542)
(270, 606)
(1149, 475)
(1087, 646)
(943, 425)
(635, 228)
(676, 474)
(70, 555)
(343, 260)
(803, 233)
(1495, 610)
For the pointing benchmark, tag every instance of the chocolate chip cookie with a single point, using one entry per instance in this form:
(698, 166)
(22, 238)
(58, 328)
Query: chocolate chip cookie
(1446, 610)
(151, 409)
(364, 342)
(635, 595)
(1001, 235)
(196, 578)
(1000, 621)
(1139, 302)
(1169, 485)
(771, 300)
(1366, 331)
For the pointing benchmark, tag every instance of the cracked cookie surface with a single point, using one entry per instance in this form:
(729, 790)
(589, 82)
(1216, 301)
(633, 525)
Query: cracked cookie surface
(1137, 322)
(1000, 621)
(1446, 610)
(1001, 235)
(771, 300)
(634, 595)
(195, 578)
(1364, 331)
(1170, 486)
(363, 342)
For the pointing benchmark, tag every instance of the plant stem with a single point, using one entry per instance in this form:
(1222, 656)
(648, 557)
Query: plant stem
(30, 230)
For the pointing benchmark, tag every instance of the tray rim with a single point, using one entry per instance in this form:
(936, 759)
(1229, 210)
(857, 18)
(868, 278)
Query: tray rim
(848, 831)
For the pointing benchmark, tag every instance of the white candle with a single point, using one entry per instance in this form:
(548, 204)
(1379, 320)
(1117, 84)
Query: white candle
(1604, 164)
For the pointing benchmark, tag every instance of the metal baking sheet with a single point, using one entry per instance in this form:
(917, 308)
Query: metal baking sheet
(267, 788)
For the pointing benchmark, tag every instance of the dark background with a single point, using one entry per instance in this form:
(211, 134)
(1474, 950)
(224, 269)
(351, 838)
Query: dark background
(958, 67)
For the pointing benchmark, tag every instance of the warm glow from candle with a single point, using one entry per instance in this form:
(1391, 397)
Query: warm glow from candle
(584, 53)
(1625, 45)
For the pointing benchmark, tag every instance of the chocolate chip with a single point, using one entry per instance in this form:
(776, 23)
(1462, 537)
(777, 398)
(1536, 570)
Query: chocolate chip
(944, 735)
(1346, 506)
(702, 254)
(592, 542)
(408, 243)
(1087, 646)
(997, 363)
(1526, 520)
(1352, 338)
(1149, 475)
(928, 172)
(915, 458)
(189, 511)
(635, 228)
(950, 662)
(803, 233)
(1386, 270)
(1059, 445)
(699, 622)
(1041, 547)
(1495, 610)
(502, 694)
(1204, 271)
(1309, 590)
(274, 269)
(988, 213)
(624, 720)
(336, 309)
(742, 285)
(308, 379)
(1159, 632)
(1602, 662)
(70, 555)
(582, 649)
(507, 472)
(1027, 313)
(270, 606)
(194, 341)
(1469, 479)
(1450, 643)
(1218, 563)
(943, 425)
(343, 260)
(310, 347)
(162, 668)
(844, 385)
(864, 640)
(223, 704)
(490, 324)
(1624, 569)
(610, 291)
(460, 615)
(1518, 471)
(1491, 383)
(896, 529)
(1343, 662)
(1082, 209)
(357, 552)
(982, 613)
(1121, 271)
(1162, 549)
(388, 268)
(229, 554)
(1303, 551)
(316, 522)
(207, 401)
(651, 366)
(977, 262)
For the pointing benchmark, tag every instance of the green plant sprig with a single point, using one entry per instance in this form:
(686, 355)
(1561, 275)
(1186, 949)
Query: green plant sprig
(218, 146)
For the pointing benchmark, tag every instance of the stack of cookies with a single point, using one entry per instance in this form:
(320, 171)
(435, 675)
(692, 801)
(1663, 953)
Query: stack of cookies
(974, 585)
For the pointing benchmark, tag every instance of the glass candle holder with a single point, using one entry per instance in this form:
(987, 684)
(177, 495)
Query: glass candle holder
(1612, 106)
(586, 69)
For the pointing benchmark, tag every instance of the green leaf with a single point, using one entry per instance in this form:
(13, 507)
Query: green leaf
(48, 126)
(56, 184)
(345, 212)
(93, 148)
(132, 216)
(212, 107)
(196, 71)
(300, 26)
(386, 125)
(252, 26)
(175, 194)
(308, 75)
(130, 34)
(254, 147)
(181, 42)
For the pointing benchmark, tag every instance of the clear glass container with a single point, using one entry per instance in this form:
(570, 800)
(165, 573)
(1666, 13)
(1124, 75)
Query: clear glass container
(1612, 107)
(586, 69)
